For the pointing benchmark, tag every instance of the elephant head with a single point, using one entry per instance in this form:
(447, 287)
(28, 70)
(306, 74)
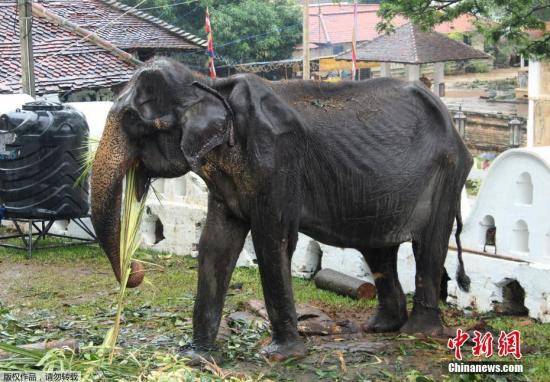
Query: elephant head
(166, 120)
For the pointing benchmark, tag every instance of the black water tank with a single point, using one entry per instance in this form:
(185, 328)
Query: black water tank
(41, 147)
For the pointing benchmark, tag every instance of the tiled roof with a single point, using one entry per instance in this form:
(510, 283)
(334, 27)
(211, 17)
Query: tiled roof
(333, 23)
(127, 28)
(62, 61)
(409, 45)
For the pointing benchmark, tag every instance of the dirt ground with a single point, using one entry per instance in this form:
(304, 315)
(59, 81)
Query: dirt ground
(70, 293)
(493, 75)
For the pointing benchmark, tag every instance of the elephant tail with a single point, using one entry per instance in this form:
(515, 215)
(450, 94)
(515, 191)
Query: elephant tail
(462, 278)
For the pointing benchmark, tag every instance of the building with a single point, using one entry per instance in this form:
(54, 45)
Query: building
(63, 61)
(129, 29)
(412, 47)
(331, 26)
(84, 57)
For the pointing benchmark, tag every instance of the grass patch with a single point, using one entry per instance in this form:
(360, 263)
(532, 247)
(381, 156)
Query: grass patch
(70, 293)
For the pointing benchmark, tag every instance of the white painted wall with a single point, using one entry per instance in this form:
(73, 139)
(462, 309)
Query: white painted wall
(10, 102)
(515, 191)
(95, 113)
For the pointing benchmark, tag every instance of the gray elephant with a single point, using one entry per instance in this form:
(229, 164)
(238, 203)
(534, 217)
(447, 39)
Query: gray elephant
(365, 165)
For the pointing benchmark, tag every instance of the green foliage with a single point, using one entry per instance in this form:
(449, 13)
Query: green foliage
(268, 30)
(244, 30)
(473, 186)
(476, 67)
(498, 20)
(457, 36)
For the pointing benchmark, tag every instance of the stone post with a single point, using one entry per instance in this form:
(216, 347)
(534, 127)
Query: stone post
(439, 74)
(413, 72)
(385, 69)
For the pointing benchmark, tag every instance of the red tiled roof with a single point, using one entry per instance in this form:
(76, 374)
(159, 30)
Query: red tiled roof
(333, 23)
(62, 61)
(127, 28)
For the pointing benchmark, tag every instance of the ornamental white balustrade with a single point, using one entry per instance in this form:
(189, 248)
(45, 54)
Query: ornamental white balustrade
(515, 199)
(510, 219)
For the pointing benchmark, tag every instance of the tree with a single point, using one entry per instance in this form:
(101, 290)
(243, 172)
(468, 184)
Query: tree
(498, 20)
(244, 30)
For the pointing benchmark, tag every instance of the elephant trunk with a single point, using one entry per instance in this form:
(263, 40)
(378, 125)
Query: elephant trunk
(113, 158)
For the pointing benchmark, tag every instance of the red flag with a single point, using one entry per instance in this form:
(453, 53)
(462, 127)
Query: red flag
(354, 42)
(210, 47)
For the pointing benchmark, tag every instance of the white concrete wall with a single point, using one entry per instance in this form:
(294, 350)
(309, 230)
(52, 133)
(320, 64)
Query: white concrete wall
(515, 190)
(10, 102)
(516, 195)
(95, 113)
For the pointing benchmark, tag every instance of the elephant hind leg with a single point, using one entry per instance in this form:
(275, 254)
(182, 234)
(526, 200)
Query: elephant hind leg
(430, 248)
(392, 307)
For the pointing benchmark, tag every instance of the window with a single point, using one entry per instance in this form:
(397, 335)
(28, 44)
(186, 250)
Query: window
(488, 231)
(152, 228)
(524, 189)
(520, 237)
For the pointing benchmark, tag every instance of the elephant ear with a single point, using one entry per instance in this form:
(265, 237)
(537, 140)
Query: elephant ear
(269, 124)
(207, 124)
(244, 103)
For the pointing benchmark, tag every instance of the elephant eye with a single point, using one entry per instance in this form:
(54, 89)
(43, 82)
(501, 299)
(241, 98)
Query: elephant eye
(134, 126)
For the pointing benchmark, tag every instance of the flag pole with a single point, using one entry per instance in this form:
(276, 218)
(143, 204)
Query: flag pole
(305, 41)
(210, 45)
(354, 42)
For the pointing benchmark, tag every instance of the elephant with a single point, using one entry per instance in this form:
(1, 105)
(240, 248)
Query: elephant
(356, 164)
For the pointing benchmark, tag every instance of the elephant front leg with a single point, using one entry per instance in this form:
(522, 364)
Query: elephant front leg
(274, 245)
(220, 244)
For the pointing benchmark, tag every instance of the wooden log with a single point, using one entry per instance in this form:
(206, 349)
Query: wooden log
(342, 284)
(47, 345)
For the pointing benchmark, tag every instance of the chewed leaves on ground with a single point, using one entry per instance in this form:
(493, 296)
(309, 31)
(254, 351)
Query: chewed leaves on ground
(71, 293)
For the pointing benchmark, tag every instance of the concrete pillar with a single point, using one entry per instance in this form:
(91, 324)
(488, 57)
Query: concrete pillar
(521, 61)
(385, 69)
(538, 123)
(439, 75)
(413, 72)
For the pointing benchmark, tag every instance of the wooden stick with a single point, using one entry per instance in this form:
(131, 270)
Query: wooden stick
(494, 256)
(344, 285)
(70, 344)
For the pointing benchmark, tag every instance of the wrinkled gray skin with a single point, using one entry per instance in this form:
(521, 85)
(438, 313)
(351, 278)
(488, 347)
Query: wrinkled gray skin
(364, 165)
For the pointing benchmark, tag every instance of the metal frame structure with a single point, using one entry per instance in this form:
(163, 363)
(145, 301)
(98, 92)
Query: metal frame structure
(30, 239)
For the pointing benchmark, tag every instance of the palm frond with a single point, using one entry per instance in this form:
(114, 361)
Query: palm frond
(86, 159)
(130, 238)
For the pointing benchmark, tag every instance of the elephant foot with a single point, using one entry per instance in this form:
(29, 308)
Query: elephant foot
(198, 355)
(425, 321)
(280, 351)
(384, 322)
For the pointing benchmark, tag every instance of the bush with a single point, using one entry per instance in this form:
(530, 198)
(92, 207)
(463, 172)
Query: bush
(477, 67)
(473, 186)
